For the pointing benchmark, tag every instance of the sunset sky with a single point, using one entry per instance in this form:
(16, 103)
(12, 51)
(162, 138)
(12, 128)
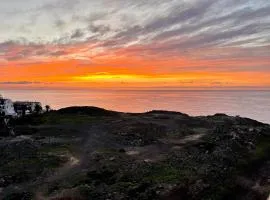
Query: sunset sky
(134, 43)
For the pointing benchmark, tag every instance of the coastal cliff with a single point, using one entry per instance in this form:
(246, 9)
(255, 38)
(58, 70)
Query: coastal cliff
(91, 153)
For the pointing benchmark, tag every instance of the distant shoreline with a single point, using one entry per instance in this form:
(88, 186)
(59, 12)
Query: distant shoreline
(253, 104)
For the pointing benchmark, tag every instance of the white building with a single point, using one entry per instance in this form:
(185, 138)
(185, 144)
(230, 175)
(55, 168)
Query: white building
(26, 107)
(6, 107)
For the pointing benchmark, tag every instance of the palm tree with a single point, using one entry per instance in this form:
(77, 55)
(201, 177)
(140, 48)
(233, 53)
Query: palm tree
(48, 108)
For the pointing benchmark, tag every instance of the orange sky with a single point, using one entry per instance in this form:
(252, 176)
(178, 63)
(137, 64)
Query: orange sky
(212, 44)
(122, 71)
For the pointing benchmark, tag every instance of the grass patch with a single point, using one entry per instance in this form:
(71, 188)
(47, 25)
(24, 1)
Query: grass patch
(60, 150)
(108, 151)
(259, 156)
(165, 173)
(55, 150)
(23, 170)
(246, 166)
(55, 118)
(262, 148)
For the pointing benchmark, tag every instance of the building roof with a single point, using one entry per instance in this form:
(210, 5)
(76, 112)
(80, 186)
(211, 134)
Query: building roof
(25, 102)
(21, 102)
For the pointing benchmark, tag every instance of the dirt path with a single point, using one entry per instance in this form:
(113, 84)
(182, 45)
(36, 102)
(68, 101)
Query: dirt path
(57, 174)
(95, 137)
(157, 152)
(183, 141)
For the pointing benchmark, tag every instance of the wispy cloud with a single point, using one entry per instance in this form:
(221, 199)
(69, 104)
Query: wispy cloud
(19, 83)
(213, 35)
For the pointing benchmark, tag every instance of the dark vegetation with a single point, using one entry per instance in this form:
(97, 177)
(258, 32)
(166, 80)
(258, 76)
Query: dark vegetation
(91, 153)
(91, 111)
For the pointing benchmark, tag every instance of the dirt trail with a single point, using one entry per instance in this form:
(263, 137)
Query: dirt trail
(61, 171)
(94, 138)
(183, 141)
(57, 174)
(157, 152)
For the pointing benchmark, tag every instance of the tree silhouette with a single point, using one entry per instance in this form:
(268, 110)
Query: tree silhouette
(48, 108)
(38, 108)
(24, 108)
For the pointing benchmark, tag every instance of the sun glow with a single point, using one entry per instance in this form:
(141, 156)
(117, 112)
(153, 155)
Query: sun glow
(108, 77)
(134, 78)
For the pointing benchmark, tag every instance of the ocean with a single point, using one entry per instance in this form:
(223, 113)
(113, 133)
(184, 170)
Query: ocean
(251, 104)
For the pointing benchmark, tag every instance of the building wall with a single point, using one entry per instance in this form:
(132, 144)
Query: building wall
(7, 108)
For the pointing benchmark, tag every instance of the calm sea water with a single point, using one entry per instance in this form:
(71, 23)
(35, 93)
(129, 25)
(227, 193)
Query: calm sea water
(252, 104)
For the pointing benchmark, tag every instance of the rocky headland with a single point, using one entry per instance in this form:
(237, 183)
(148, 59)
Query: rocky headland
(82, 153)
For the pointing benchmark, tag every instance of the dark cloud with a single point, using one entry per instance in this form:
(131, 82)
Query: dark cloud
(132, 33)
(20, 49)
(226, 21)
(14, 58)
(253, 14)
(197, 30)
(4, 46)
(195, 27)
(99, 29)
(60, 23)
(92, 17)
(57, 53)
(209, 39)
(41, 52)
(219, 83)
(178, 15)
(59, 5)
(19, 83)
(77, 34)
(14, 51)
